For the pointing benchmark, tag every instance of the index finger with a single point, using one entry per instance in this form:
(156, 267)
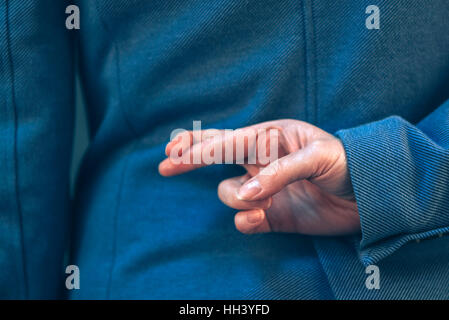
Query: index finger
(242, 146)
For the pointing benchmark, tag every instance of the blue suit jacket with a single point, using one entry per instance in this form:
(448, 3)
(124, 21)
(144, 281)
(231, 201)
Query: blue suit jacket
(149, 67)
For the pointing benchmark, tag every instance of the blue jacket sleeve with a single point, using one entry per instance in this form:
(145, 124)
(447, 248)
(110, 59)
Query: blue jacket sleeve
(400, 174)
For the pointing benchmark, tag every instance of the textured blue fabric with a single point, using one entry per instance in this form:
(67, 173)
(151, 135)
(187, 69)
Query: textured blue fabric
(36, 104)
(401, 162)
(149, 67)
(166, 65)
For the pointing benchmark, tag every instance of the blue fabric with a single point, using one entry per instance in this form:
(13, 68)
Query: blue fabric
(36, 120)
(400, 163)
(149, 67)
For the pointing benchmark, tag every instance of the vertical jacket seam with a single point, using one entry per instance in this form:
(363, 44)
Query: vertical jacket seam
(16, 165)
(115, 220)
(310, 63)
(117, 66)
(306, 61)
(314, 63)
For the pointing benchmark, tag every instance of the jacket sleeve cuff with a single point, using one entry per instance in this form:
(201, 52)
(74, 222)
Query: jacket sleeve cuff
(398, 178)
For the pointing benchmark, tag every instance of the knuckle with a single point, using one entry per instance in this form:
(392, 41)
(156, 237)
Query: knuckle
(221, 191)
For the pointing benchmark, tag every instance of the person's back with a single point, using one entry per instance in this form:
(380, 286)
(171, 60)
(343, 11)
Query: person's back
(150, 67)
(153, 66)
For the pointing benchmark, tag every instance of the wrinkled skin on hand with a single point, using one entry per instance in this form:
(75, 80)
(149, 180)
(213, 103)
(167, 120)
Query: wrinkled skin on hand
(306, 190)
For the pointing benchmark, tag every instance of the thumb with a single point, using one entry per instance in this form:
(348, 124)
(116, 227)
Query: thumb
(299, 165)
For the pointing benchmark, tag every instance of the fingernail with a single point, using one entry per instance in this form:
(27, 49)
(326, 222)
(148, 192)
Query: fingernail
(254, 217)
(250, 190)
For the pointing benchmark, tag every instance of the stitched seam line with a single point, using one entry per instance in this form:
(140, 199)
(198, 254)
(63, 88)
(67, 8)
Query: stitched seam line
(310, 63)
(320, 261)
(115, 221)
(314, 48)
(306, 61)
(16, 165)
(119, 88)
(117, 66)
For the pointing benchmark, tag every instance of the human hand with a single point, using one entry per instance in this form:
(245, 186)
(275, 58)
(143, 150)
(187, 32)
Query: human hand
(306, 189)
